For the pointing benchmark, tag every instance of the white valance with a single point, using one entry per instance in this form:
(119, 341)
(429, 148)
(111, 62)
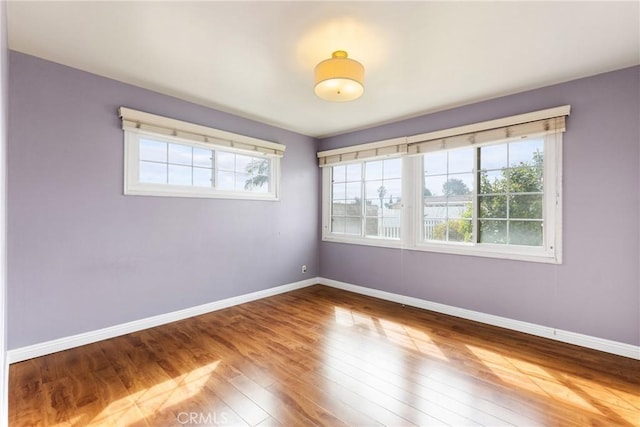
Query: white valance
(363, 151)
(523, 130)
(537, 123)
(134, 120)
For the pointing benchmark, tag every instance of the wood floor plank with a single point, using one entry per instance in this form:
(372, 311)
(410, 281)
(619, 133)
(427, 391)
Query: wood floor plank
(322, 356)
(454, 417)
(26, 402)
(283, 366)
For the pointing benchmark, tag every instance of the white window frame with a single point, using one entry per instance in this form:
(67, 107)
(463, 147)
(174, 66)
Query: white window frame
(133, 186)
(138, 124)
(363, 239)
(413, 198)
(550, 252)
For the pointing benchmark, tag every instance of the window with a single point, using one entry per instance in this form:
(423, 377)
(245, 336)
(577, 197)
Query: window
(365, 199)
(194, 165)
(490, 195)
(448, 201)
(492, 192)
(174, 164)
(510, 178)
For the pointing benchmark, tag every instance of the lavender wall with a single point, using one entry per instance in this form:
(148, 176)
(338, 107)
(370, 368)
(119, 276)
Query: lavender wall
(4, 113)
(83, 257)
(596, 290)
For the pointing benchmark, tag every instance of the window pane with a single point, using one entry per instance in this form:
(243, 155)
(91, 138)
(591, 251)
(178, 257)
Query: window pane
(393, 168)
(493, 157)
(179, 175)
(226, 181)
(371, 226)
(460, 230)
(243, 181)
(180, 154)
(202, 177)
(226, 161)
(525, 180)
(353, 208)
(339, 173)
(242, 163)
(265, 166)
(338, 224)
(373, 189)
(435, 229)
(390, 227)
(259, 184)
(395, 204)
(435, 163)
(202, 158)
(435, 185)
(373, 170)
(526, 206)
(153, 151)
(458, 184)
(461, 160)
(353, 226)
(393, 188)
(492, 231)
(493, 181)
(460, 209)
(525, 152)
(338, 208)
(372, 207)
(153, 173)
(435, 210)
(527, 233)
(339, 191)
(354, 172)
(493, 206)
(354, 190)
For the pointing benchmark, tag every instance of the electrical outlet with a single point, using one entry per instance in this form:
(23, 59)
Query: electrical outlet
(304, 268)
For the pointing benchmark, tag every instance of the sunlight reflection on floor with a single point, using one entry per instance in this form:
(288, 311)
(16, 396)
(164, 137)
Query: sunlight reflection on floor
(154, 399)
(577, 392)
(554, 385)
(397, 333)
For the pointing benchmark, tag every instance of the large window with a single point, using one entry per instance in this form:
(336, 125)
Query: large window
(492, 192)
(188, 164)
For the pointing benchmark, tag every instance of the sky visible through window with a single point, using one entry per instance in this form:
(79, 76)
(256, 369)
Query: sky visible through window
(510, 193)
(184, 165)
(460, 161)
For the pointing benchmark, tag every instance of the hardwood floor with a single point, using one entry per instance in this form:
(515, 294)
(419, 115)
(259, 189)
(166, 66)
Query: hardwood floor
(321, 356)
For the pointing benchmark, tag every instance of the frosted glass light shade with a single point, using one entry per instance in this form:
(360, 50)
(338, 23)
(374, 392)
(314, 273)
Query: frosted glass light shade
(339, 78)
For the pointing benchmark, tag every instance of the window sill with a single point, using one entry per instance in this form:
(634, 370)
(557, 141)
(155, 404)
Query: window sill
(365, 241)
(516, 253)
(177, 191)
(521, 253)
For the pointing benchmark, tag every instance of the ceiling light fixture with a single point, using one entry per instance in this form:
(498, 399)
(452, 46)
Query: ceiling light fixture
(339, 79)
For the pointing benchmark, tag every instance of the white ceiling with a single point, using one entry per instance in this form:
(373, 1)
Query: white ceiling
(256, 59)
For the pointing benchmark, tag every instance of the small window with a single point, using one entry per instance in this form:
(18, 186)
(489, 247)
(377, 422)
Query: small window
(448, 195)
(167, 166)
(366, 200)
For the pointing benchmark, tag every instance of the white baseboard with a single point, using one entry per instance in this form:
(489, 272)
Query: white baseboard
(48, 347)
(614, 347)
